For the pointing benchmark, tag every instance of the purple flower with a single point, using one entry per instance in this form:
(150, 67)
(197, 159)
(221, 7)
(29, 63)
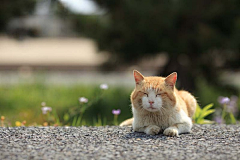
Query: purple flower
(223, 100)
(116, 112)
(46, 109)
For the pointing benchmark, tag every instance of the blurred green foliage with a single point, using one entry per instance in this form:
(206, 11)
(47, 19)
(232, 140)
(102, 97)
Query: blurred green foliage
(146, 27)
(202, 113)
(23, 102)
(201, 37)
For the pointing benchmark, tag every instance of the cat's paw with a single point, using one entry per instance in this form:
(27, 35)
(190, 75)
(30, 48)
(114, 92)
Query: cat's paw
(171, 131)
(152, 130)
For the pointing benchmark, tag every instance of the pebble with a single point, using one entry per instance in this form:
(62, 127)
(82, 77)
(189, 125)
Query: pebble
(113, 142)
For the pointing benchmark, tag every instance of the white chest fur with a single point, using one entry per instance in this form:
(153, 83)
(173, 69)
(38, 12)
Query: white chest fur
(163, 119)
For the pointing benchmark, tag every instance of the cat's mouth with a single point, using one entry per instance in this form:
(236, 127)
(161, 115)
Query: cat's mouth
(151, 108)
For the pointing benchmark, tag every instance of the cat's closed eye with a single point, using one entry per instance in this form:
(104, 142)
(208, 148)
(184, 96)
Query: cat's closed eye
(145, 94)
(158, 95)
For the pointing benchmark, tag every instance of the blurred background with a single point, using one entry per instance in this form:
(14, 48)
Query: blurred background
(55, 51)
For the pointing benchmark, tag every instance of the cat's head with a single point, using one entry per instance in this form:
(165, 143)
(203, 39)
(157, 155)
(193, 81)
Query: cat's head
(154, 93)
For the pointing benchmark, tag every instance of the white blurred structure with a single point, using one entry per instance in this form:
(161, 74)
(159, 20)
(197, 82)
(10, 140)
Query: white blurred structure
(42, 23)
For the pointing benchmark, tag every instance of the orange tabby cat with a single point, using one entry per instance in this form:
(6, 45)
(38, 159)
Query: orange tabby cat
(158, 106)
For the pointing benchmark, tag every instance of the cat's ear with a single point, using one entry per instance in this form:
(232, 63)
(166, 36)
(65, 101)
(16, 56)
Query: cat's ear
(138, 76)
(171, 79)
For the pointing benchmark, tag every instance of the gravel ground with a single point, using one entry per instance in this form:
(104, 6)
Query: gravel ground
(112, 142)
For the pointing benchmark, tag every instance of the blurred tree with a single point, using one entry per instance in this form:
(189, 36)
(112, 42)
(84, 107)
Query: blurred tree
(14, 8)
(200, 36)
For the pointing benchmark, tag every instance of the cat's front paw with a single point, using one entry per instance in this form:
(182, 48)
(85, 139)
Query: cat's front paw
(171, 131)
(152, 130)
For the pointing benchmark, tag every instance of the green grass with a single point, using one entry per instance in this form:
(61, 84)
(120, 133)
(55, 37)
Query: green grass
(23, 101)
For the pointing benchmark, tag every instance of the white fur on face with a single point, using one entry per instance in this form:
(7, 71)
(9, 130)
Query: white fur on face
(152, 97)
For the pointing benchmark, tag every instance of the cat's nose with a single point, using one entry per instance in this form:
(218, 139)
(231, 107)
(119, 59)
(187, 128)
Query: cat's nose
(151, 102)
